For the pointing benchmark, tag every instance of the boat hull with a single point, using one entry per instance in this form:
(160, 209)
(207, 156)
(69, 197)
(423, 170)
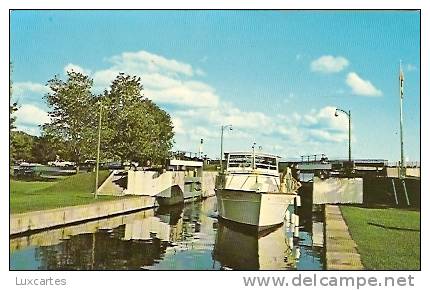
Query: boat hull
(262, 210)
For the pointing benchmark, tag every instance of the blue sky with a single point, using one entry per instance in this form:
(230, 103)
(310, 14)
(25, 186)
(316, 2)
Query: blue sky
(276, 76)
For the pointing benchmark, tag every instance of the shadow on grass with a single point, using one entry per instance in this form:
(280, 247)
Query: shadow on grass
(393, 228)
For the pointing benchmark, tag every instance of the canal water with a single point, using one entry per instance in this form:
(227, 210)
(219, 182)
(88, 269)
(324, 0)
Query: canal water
(187, 237)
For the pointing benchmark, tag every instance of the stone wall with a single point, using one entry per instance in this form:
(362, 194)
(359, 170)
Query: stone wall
(37, 220)
(151, 183)
(208, 183)
(337, 190)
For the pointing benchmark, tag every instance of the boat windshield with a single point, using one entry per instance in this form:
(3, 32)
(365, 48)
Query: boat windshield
(242, 160)
(264, 162)
(245, 161)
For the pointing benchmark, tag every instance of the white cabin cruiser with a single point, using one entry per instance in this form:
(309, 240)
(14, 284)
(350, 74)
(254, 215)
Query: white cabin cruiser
(251, 191)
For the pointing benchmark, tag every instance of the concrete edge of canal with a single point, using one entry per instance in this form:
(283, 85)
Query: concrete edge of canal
(340, 249)
(37, 220)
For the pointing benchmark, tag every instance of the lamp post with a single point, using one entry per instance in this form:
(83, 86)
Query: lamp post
(222, 140)
(201, 148)
(98, 151)
(401, 91)
(349, 129)
(253, 155)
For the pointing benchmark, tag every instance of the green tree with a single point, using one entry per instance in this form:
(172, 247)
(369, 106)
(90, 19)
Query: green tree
(73, 117)
(137, 129)
(13, 106)
(44, 150)
(23, 145)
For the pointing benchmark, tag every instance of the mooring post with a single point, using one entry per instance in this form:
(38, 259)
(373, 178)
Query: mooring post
(298, 200)
(395, 192)
(297, 252)
(287, 216)
(406, 192)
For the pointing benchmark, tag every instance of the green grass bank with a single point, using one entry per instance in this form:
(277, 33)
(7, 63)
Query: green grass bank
(387, 239)
(40, 195)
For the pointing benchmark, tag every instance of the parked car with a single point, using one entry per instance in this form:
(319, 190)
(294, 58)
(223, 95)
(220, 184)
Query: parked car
(114, 165)
(87, 165)
(27, 170)
(61, 163)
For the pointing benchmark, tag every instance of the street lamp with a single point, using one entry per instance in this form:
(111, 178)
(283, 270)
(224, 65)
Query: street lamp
(98, 151)
(253, 155)
(349, 129)
(222, 140)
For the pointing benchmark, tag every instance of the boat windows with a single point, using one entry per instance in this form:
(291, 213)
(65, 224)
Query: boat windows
(264, 162)
(245, 161)
(242, 160)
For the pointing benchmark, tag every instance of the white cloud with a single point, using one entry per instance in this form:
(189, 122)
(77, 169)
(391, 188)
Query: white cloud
(166, 81)
(185, 94)
(31, 115)
(103, 78)
(319, 126)
(324, 135)
(158, 81)
(305, 133)
(241, 119)
(226, 113)
(146, 61)
(316, 128)
(326, 118)
(21, 88)
(76, 68)
(329, 64)
(360, 86)
(198, 132)
(199, 111)
(178, 125)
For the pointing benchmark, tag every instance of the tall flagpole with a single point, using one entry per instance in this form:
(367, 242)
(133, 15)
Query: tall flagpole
(401, 80)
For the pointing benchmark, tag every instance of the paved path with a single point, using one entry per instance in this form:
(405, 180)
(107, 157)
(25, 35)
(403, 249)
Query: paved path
(341, 250)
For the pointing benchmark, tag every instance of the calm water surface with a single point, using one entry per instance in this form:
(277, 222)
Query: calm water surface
(187, 237)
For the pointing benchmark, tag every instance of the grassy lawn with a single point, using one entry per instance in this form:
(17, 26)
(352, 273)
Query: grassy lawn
(387, 239)
(38, 195)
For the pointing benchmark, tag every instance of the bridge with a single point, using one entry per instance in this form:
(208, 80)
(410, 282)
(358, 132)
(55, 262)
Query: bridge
(320, 163)
(380, 179)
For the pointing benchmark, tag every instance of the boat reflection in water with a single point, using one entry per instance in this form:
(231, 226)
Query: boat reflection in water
(165, 226)
(176, 238)
(241, 248)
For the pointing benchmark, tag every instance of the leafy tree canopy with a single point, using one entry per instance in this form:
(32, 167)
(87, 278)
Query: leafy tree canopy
(133, 127)
(73, 116)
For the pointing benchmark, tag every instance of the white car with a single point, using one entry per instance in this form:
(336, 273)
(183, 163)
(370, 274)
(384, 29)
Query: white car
(61, 163)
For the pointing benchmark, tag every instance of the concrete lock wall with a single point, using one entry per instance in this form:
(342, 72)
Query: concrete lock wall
(208, 183)
(144, 183)
(55, 235)
(37, 220)
(150, 183)
(337, 190)
(394, 172)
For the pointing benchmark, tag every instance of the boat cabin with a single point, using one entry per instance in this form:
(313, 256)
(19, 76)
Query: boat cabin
(247, 162)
